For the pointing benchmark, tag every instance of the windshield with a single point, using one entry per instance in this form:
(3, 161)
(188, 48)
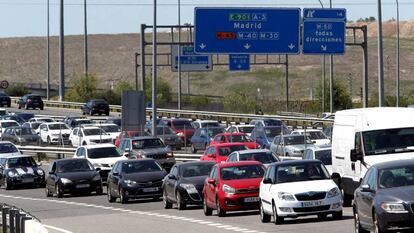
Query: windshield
(246, 129)
(58, 126)
(296, 140)
(21, 162)
(263, 157)
(24, 131)
(9, 124)
(226, 150)
(82, 122)
(74, 165)
(111, 128)
(147, 143)
(45, 120)
(141, 166)
(182, 125)
(241, 172)
(164, 130)
(325, 156)
(103, 152)
(25, 116)
(239, 138)
(316, 135)
(196, 170)
(93, 131)
(272, 122)
(301, 172)
(209, 124)
(35, 125)
(272, 132)
(388, 141)
(396, 177)
(7, 148)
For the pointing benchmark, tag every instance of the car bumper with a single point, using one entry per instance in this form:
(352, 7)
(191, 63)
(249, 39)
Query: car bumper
(135, 192)
(192, 198)
(19, 181)
(237, 202)
(296, 208)
(80, 187)
(56, 140)
(396, 221)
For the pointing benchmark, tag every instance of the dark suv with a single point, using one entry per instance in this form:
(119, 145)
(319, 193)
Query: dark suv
(30, 101)
(96, 106)
(5, 100)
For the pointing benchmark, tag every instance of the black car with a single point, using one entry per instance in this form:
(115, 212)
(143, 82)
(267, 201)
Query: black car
(96, 106)
(184, 184)
(136, 178)
(21, 135)
(72, 176)
(20, 170)
(384, 201)
(30, 101)
(25, 116)
(114, 120)
(5, 100)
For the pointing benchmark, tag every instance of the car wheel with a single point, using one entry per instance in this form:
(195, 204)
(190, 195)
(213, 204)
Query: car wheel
(358, 227)
(122, 197)
(7, 186)
(337, 215)
(59, 192)
(107, 113)
(9, 105)
(83, 113)
(207, 210)
(26, 106)
(99, 191)
(220, 211)
(47, 192)
(167, 204)
(110, 197)
(193, 149)
(377, 227)
(347, 199)
(263, 216)
(41, 108)
(278, 220)
(19, 106)
(180, 204)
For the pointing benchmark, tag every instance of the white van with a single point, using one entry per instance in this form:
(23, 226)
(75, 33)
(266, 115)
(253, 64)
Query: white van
(364, 137)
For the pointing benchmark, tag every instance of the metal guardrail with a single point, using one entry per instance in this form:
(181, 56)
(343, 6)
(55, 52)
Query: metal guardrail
(293, 121)
(16, 220)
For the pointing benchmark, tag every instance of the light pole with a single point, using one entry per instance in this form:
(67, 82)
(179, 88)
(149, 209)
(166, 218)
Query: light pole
(380, 59)
(331, 74)
(154, 72)
(85, 41)
(48, 53)
(179, 55)
(398, 55)
(62, 54)
(323, 74)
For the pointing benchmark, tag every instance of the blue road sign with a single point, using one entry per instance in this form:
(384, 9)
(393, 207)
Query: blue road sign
(247, 30)
(324, 31)
(239, 62)
(190, 61)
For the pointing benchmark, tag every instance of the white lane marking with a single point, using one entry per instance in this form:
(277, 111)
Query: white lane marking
(57, 228)
(165, 216)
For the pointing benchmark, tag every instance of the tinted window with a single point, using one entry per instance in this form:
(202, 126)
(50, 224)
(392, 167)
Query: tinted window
(21, 162)
(93, 131)
(7, 148)
(241, 172)
(147, 143)
(301, 172)
(141, 166)
(164, 130)
(24, 131)
(272, 132)
(9, 124)
(239, 138)
(325, 156)
(388, 141)
(263, 157)
(226, 150)
(111, 128)
(214, 131)
(182, 124)
(396, 177)
(315, 135)
(58, 126)
(103, 152)
(196, 170)
(295, 140)
(74, 165)
(272, 122)
(246, 129)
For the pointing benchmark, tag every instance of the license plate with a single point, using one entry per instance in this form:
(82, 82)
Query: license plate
(251, 199)
(28, 180)
(312, 203)
(4, 102)
(148, 190)
(82, 186)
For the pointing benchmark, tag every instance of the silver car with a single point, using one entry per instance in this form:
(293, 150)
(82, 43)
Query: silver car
(290, 146)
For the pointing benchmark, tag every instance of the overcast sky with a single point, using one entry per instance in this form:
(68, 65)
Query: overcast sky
(28, 17)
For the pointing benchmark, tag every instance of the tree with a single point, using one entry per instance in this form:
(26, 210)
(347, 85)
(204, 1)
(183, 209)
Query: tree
(17, 90)
(84, 88)
(239, 101)
(163, 91)
(342, 99)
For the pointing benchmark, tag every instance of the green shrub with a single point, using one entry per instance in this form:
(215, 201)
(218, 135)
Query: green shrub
(17, 90)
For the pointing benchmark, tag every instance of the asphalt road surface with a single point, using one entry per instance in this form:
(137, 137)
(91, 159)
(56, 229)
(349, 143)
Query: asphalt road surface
(95, 214)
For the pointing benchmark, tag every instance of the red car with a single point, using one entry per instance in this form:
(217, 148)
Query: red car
(220, 152)
(129, 134)
(235, 137)
(182, 127)
(232, 187)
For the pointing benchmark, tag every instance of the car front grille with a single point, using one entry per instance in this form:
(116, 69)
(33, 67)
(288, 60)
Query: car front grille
(311, 209)
(156, 183)
(157, 156)
(310, 196)
(252, 190)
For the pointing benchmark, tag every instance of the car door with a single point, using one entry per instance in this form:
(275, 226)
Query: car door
(196, 139)
(116, 179)
(171, 184)
(364, 198)
(43, 132)
(265, 189)
(73, 136)
(51, 177)
(111, 182)
(2, 168)
(210, 189)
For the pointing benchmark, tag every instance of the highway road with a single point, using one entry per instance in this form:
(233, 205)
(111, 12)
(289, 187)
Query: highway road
(85, 214)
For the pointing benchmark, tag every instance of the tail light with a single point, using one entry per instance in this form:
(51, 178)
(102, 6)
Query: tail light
(170, 154)
(29, 101)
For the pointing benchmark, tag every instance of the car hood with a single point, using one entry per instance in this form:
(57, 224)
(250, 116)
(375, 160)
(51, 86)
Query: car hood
(143, 177)
(196, 180)
(24, 170)
(110, 160)
(151, 151)
(399, 194)
(97, 137)
(306, 186)
(242, 184)
(321, 142)
(78, 175)
(58, 131)
(113, 135)
(2, 155)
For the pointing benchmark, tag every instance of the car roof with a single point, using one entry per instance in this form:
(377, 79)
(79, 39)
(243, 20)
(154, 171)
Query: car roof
(228, 134)
(51, 123)
(215, 127)
(4, 121)
(15, 156)
(194, 163)
(136, 160)
(229, 144)
(6, 142)
(68, 159)
(296, 162)
(319, 148)
(307, 130)
(242, 152)
(143, 137)
(239, 163)
(103, 145)
(395, 163)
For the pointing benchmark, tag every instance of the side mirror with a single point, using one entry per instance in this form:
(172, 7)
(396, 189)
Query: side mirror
(366, 188)
(355, 156)
(126, 154)
(267, 181)
(211, 155)
(172, 177)
(98, 169)
(211, 181)
(21, 152)
(51, 173)
(115, 173)
(127, 149)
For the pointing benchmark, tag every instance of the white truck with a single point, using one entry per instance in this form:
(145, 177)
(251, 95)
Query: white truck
(364, 137)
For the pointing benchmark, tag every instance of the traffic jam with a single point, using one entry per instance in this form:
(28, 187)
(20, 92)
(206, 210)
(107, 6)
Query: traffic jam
(363, 160)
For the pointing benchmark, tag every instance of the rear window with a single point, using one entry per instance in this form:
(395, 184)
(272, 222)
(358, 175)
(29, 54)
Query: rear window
(21, 162)
(141, 166)
(241, 172)
(182, 124)
(226, 150)
(35, 97)
(263, 157)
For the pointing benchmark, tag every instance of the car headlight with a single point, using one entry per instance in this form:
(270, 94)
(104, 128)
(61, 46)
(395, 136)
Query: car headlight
(40, 172)
(285, 196)
(96, 178)
(129, 182)
(180, 134)
(65, 180)
(12, 174)
(22, 139)
(393, 207)
(96, 165)
(296, 152)
(170, 154)
(333, 192)
(228, 189)
(190, 188)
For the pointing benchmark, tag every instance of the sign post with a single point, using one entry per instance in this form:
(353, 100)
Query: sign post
(239, 62)
(190, 61)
